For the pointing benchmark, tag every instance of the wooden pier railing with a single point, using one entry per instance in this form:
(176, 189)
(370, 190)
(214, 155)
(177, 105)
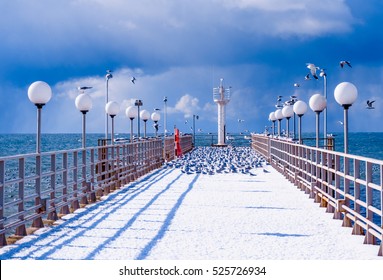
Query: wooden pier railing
(347, 185)
(36, 189)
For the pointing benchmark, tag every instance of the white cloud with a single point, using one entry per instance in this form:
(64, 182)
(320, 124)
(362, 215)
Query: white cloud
(292, 17)
(188, 105)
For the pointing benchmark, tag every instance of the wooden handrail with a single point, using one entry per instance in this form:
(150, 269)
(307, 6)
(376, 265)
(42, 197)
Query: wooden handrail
(347, 185)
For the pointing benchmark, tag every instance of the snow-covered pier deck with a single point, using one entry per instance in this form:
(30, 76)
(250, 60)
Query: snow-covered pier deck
(179, 212)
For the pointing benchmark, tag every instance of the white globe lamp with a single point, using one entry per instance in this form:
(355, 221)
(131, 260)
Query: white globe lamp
(345, 94)
(145, 115)
(317, 103)
(300, 108)
(39, 93)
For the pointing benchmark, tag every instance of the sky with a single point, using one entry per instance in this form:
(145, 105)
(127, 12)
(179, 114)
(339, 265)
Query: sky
(181, 50)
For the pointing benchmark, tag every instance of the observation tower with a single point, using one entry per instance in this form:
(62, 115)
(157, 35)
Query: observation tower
(221, 96)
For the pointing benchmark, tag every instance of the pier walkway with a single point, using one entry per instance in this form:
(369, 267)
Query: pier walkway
(171, 215)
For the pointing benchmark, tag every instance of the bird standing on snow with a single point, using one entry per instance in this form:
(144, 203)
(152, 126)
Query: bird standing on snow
(345, 62)
(369, 104)
(313, 70)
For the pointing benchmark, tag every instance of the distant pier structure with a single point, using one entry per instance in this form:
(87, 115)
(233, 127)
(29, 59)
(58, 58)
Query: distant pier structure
(221, 96)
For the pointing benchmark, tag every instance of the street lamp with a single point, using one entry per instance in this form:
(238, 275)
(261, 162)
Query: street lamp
(272, 118)
(108, 76)
(138, 103)
(39, 93)
(323, 74)
(83, 103)
(317, 103)
(279, 116)
(131, 113)
(288, 112)
(145, 115)
(194, 118)
(345, 94)
(112, 108)
(155, 118)
(165, 109)
(300, 108)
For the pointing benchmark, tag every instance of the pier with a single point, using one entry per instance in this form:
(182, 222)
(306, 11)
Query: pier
(298, 202)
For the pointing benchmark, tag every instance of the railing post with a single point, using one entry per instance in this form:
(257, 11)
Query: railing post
(3, 240)
(52, 215)
(65, 209)
(75, 203)
(38, 222)
(369, 238)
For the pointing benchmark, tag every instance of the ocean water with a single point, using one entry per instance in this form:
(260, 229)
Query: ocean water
(361, 144)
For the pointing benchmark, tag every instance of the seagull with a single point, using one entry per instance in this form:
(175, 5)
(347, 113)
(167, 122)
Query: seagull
(157, 109)
(133, 80)
(345, 62)
(83, 88)
(279, 105)
(369, 104)
(307, 77)
(109, 74)
(313, 70)
(297, 85)
(322, 73)
(340, 122)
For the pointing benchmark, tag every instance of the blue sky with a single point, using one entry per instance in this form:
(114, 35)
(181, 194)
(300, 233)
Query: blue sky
(181, 49)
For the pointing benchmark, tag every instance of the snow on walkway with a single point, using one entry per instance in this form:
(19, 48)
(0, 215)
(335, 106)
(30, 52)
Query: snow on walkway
(173, 215)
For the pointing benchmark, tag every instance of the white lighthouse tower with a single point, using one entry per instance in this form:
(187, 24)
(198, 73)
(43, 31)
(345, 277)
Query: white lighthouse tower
(221, 96)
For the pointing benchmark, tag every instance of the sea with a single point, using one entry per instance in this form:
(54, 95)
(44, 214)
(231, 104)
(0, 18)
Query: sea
(367, 144)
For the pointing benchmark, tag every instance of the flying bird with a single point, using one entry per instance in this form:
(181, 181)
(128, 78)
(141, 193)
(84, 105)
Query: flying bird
(340, 122)
(279, 105)
(307, 77)
(322, 73)
(369, 104)
(83, 88)
(313, 70)
(109, 74)
(133, 80)
(297, 85)
(345, 62)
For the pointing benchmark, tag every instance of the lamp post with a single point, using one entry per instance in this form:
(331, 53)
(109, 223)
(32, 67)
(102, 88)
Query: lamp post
(300, 108)
(324, 76)
(108, 76)
(131, 113)
(288, 112)
(138, 103)
(194, 118)
(272, 118)
(145, 115)
(112, 108)
(317, 103)
(279, 116)
(155, 118)
(83, 103)
(39, 93)
(345, 94)
(165, 109)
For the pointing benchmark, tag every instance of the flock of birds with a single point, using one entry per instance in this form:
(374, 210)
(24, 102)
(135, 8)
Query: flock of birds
(313, 73)
(313, 70)
(213, 160)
